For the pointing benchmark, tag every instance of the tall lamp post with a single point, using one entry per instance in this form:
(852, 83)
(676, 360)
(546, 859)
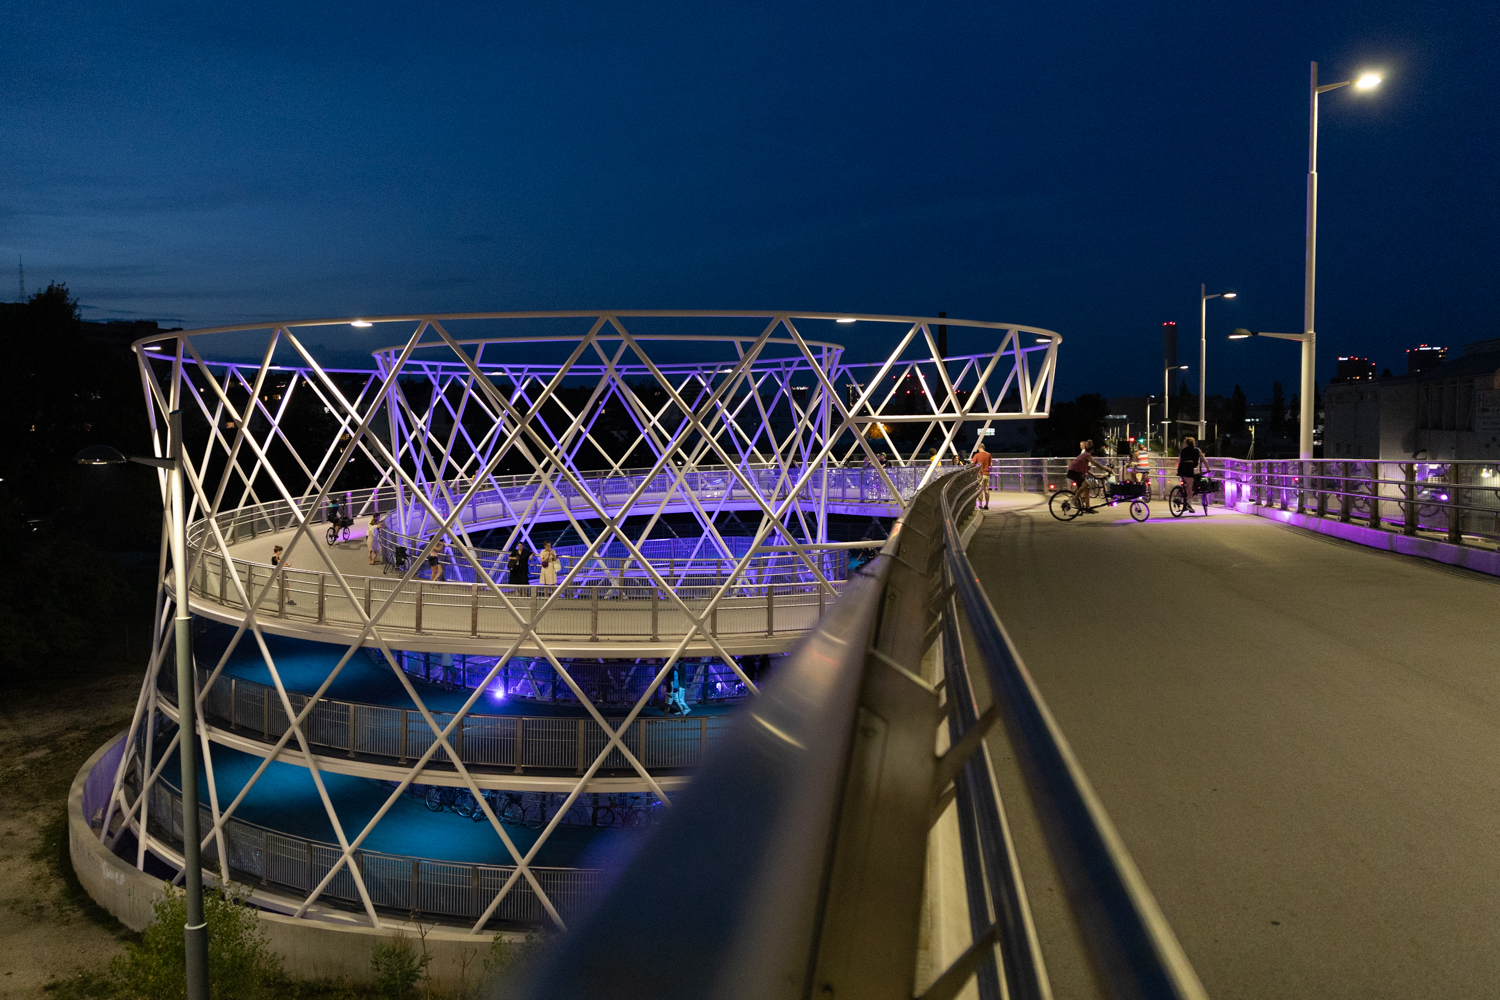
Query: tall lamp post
(1366, 81)
(1203, 298)
(195, 931)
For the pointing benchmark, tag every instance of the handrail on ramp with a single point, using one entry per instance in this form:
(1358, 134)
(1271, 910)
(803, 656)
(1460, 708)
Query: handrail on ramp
(793, 865)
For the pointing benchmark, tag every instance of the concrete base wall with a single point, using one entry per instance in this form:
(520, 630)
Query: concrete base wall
(308, 948)
(1479, 560)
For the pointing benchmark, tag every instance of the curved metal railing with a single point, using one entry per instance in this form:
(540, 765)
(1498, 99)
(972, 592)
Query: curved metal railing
(513, 742)
(396, 882)
(596, 607)
(812, 818)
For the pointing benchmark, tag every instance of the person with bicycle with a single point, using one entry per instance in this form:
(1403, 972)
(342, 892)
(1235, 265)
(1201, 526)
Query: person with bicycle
(1191, 465)
(1078, 473)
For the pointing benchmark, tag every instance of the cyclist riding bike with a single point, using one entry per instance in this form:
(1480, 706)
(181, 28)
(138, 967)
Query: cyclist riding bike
(1191, 465)
(1078, 473)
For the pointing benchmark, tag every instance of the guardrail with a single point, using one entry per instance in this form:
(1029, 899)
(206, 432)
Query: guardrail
(1454, 498)
(628, 610)
(812, 817)
(705, 680)
(601, 607)
(402, 883)
(515, 742)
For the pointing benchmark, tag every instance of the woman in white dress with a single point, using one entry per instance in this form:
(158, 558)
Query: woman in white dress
(550, 561)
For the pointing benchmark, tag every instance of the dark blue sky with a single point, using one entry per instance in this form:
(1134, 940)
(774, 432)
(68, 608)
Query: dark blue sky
(1080, 167)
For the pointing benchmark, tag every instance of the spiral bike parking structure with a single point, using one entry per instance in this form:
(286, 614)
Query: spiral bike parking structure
(769, 426)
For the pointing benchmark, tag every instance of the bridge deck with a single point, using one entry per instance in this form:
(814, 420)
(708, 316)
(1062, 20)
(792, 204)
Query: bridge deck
(1296, 737)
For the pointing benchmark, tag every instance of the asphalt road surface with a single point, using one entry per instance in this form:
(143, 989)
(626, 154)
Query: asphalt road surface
(1298, 738)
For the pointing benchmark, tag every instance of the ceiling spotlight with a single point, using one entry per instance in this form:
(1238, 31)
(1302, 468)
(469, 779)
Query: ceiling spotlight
(361, 323)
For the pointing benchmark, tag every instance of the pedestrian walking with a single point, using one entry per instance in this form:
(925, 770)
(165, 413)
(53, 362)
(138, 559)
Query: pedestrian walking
(276, 556)
(519, 565)
(372, 539)
(982, 465)
(435, 568)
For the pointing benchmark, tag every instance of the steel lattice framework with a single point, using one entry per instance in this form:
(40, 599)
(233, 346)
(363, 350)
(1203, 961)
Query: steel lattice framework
(630, 414)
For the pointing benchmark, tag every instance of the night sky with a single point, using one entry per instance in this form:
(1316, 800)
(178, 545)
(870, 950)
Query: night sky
(1080, 167)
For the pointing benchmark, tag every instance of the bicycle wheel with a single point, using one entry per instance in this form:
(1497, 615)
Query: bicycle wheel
(434, 798)
(332, 535)
(465, 805)
(1140, 509)
(344, 533)
(510, 811)
(1064, 505)
(1177, 502)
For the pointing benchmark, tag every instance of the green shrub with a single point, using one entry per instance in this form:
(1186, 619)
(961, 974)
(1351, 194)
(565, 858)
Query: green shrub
(241, 965)
(399, 967)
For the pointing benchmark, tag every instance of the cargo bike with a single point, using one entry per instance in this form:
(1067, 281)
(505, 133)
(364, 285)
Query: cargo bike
(1066, 504)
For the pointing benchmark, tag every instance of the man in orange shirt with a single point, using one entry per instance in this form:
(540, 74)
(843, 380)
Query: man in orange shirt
(982, 463)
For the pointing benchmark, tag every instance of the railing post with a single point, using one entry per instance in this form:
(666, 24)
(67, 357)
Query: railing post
(223, 579)
(419, 607)
(265, 713)
(702, 738)
(1455, 499)
(1322, 491)
(281, 593)
(351, 729)
(233, 691)
(403, 736)
(583, 758)
(474, 609)
(770, 610)
(594, 613)
(520, 742)
(1345, 504)
(322, 581)
(713, 622)
(655, 601)
(1410, 489)
(1375, 494)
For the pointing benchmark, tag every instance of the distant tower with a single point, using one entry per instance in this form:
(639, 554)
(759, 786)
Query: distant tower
(21, 277)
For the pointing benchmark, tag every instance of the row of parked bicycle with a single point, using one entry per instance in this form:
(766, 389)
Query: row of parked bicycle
(536, 809)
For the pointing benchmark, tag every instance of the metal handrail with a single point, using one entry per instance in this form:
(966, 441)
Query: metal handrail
(1456, 498)
(397, 883)
(1130, 939)
(630, 607)
(811, 818)
(516, 742)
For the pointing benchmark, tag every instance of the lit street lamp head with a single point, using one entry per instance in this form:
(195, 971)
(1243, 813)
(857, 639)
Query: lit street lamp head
(1241, 333)
(1231, 295)
(1367, 81)
(100, 454)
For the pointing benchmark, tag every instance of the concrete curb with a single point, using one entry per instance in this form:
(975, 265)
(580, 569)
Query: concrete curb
(1479, 560)
(308, 948)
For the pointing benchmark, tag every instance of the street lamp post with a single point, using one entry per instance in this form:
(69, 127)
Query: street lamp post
(1366, 81)
(195, 931)
(1203, 298)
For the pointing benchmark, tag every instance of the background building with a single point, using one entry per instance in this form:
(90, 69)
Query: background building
(1443, 410)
